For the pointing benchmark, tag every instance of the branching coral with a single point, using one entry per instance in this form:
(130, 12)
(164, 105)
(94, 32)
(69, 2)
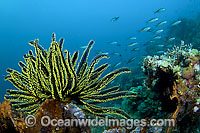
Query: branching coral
(51, 75)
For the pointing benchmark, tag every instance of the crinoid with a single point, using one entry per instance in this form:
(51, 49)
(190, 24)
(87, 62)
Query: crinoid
(51, 75)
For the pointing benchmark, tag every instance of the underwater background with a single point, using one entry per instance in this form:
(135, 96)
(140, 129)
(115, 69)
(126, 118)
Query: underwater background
(80, 21)
(116, 26)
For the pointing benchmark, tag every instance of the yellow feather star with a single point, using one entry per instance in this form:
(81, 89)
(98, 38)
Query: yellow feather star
(51, 75)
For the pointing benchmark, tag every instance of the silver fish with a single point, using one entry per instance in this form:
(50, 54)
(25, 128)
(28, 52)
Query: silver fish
(171, 39)
(169, 46)
(116, 53)
(132, 44)
(114, 19)
(145, 29)
(132, 38)
(135, 49)
(156, 37)
(176, 22)
(160, 10)
(149, 42)
(101, 52)
(152, 20)
(114, 43)
(158, 31)
(160, 52)
(160, 45)
(117, 64)
(106, 53)
(161, 23)
(131, 60)
(84, 46)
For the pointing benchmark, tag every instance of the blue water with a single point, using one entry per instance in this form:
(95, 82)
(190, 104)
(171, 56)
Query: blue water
(79, 21)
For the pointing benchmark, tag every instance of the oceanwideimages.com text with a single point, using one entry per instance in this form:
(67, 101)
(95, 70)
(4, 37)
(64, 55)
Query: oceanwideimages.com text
(128, 123)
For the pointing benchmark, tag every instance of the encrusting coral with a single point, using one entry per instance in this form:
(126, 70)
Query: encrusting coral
(51, 75)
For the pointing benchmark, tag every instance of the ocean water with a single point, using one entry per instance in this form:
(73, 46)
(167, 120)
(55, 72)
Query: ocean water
(79, 21)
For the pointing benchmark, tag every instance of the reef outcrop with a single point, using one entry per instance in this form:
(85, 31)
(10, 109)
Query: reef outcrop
(176, 76)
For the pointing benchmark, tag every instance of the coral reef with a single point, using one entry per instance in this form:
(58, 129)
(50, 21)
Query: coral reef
(6, 122)
(175, 76)
(115, 130)
(139, 129)
(145, 105)
(55, 109)
(10, 121)
(58, 86)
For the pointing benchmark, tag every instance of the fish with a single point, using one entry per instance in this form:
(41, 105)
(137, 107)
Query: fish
(145, 29)
(98, 51)
(152, 20)
(158, 31)
(169, 46)
(83, 46)
(101, 52)
(114, 19)
(117, 64)
(131, 60)
(160, 45)
(161, 23)
(135, 49)
(160, 10)
(132, 44)
(171, 39)
(116, 53)
(176, 22)
(113, 43)
(132, 38)
(106, 53)
(149, 42)
(112, 82)
(156, 37)
(160, 52)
